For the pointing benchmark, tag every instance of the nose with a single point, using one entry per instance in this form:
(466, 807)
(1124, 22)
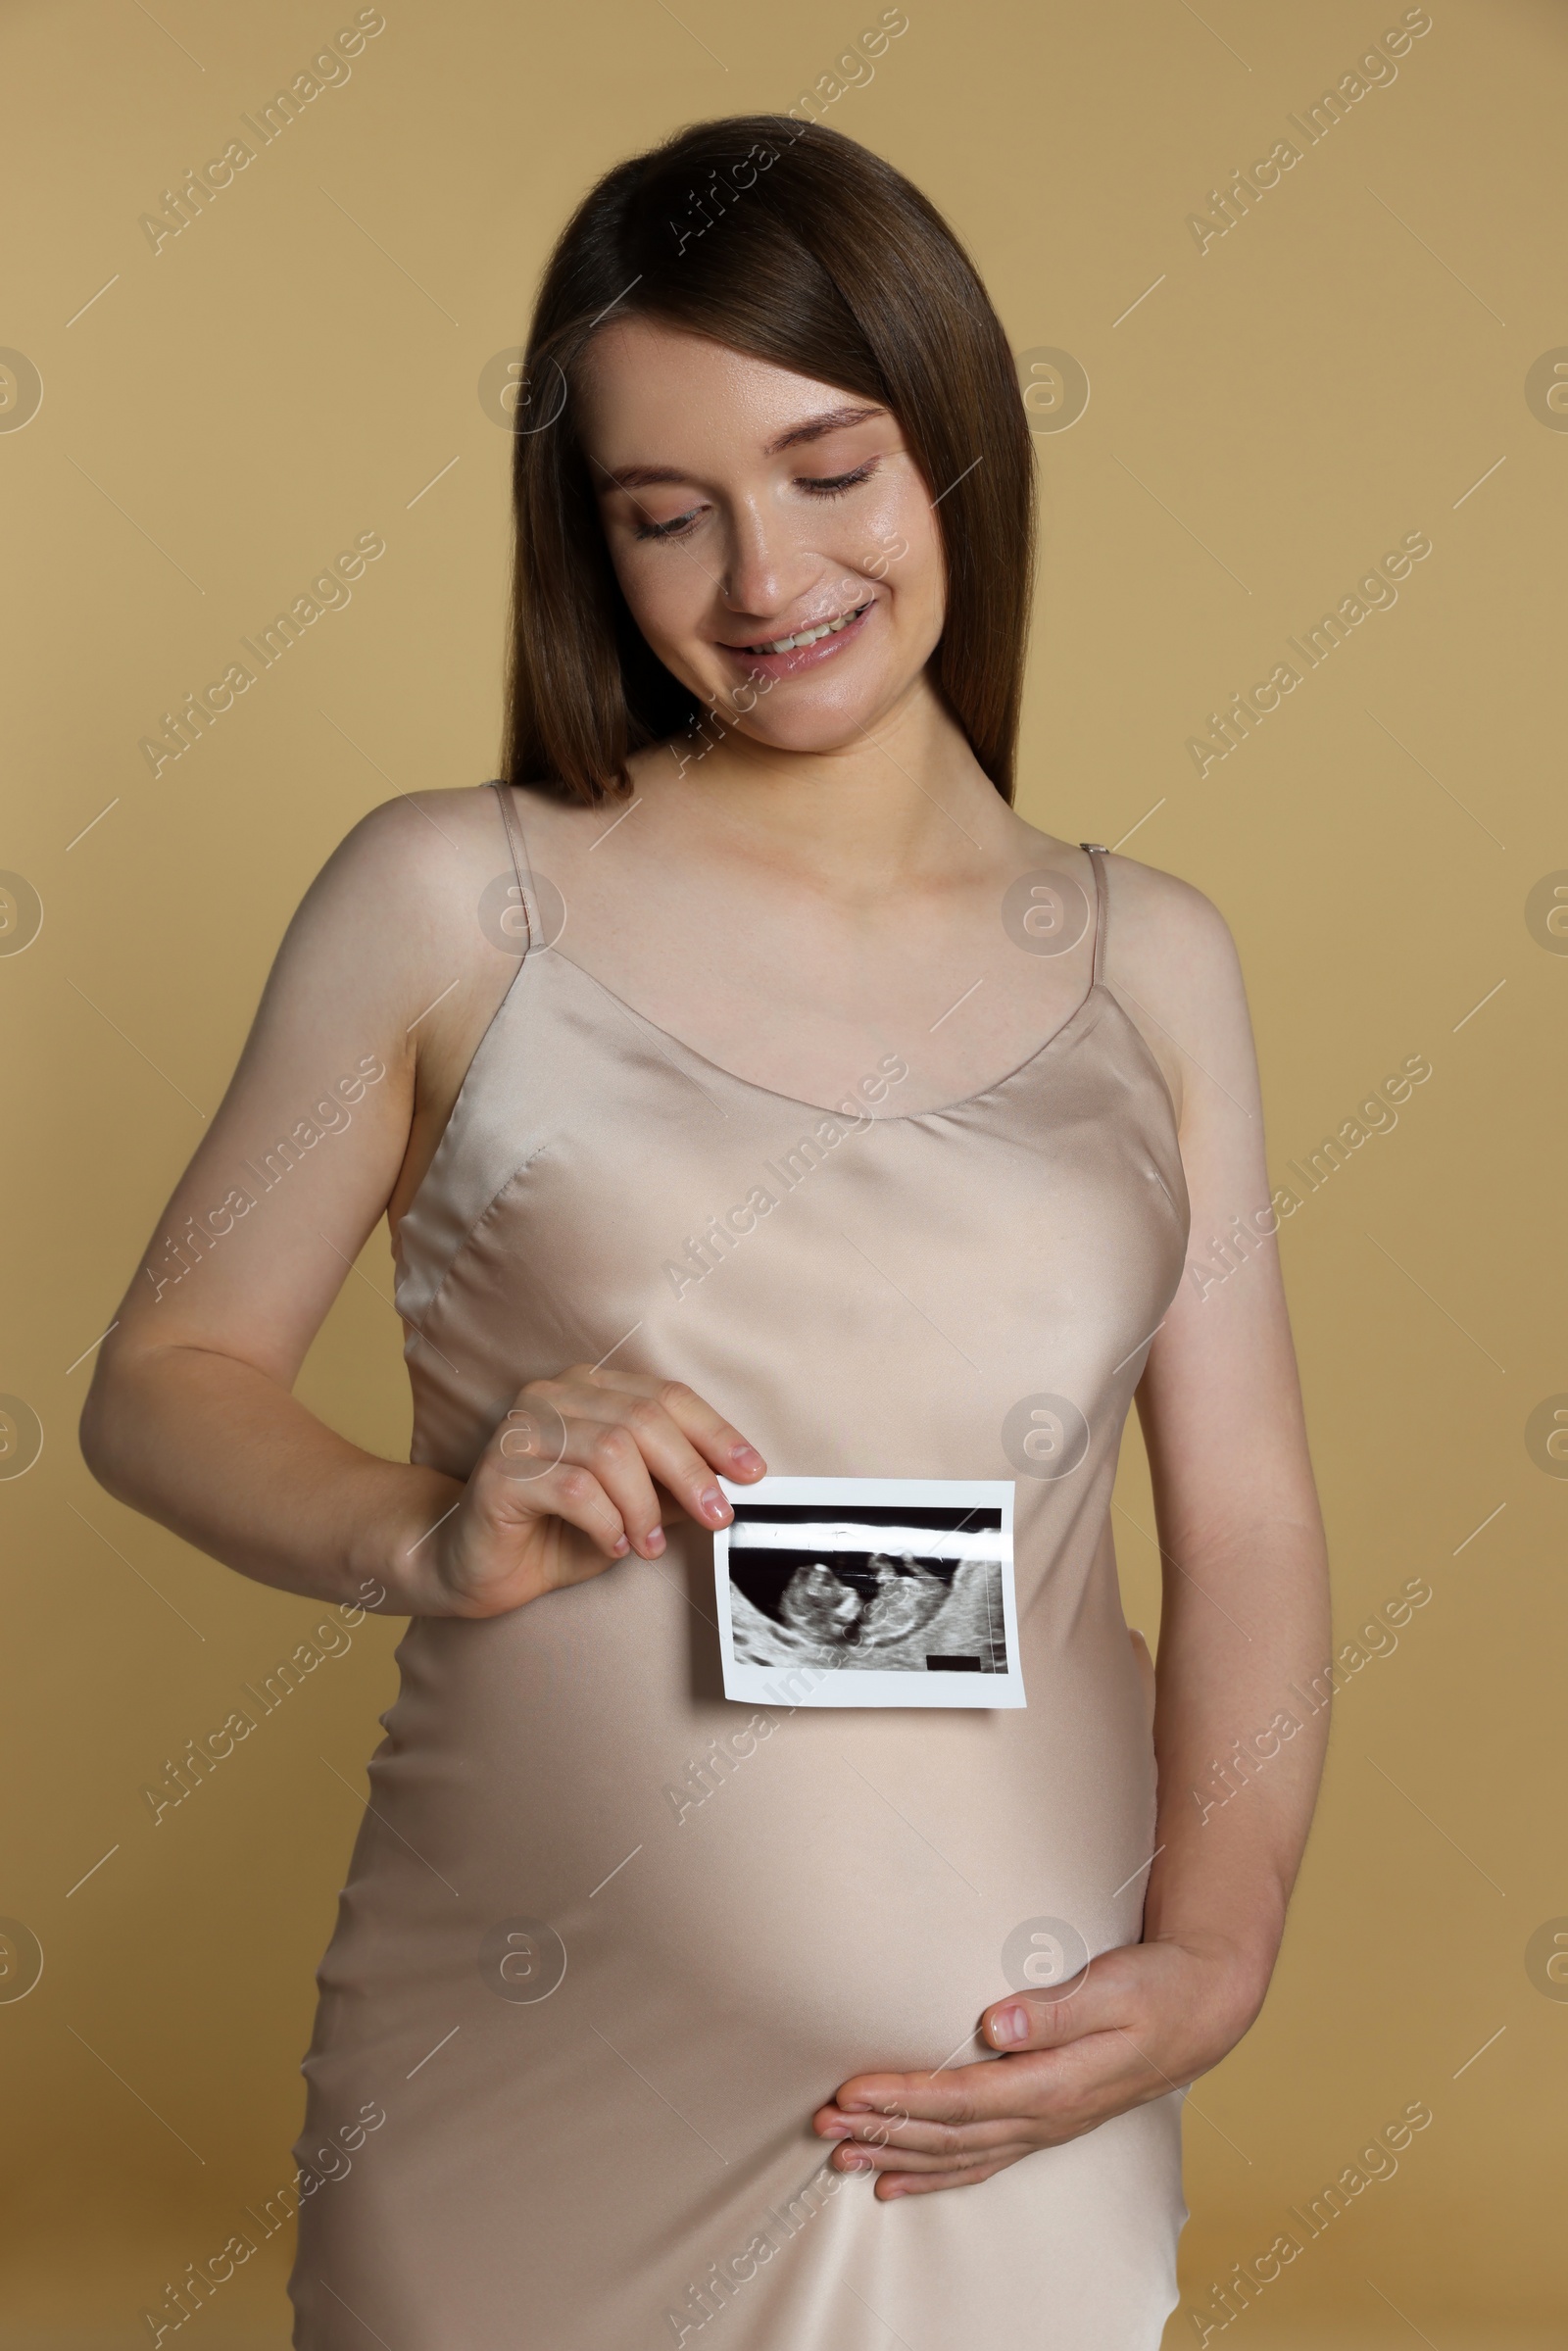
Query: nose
(768, 569)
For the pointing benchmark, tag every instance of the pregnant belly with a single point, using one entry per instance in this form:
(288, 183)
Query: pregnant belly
(818, 1922)
(842, 1891)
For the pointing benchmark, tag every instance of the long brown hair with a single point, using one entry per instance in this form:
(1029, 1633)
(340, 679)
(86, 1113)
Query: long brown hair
(792, 244)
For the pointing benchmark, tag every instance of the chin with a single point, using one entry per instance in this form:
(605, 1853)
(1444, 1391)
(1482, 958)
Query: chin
(817, 730)
(823, 714)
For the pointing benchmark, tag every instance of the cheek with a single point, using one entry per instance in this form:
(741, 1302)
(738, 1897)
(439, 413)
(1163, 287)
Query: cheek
(915, 579)
(903, 550)
(898, 525)
(666, 594)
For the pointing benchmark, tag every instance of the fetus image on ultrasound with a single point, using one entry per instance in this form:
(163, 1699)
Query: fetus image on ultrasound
(819, 1602)
(859, 1605)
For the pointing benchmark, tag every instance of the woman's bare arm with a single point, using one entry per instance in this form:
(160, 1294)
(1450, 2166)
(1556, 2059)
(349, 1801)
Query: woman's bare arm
(380, 991)
(189, 1417)
(1245, 1619)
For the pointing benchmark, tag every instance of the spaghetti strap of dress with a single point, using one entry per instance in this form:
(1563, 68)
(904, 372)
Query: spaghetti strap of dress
(1097, 854)
(519, 861)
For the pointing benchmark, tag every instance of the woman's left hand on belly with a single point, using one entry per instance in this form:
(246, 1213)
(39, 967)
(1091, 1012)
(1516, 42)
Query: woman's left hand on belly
(1135, 2024)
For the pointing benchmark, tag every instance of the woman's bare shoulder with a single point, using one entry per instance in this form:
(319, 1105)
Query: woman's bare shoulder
(1171, 961)
(423, 841)
(405, 909)
(1165, 927)
(1160, 930)
(408, 877)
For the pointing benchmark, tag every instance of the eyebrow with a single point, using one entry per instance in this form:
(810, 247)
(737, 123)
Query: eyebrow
(810, 428)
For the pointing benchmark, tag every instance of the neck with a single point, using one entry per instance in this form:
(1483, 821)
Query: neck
(905, 796)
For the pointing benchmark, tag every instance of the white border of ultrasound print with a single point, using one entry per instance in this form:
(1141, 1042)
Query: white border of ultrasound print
(780, 1685)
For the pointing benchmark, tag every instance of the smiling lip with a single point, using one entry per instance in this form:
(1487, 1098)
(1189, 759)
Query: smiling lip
(800, 657)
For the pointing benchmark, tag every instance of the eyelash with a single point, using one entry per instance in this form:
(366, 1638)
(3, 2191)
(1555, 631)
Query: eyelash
(829, 486)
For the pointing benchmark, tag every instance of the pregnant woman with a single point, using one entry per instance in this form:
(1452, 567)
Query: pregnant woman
(750, 1089)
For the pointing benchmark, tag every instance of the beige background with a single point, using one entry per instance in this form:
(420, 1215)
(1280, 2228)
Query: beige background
(301, 365)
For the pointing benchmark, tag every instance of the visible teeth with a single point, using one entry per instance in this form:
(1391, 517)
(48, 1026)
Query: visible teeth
(808, 636)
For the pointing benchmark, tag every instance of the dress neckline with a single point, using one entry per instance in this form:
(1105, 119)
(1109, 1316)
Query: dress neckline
(1095, 995)
(732, 1077)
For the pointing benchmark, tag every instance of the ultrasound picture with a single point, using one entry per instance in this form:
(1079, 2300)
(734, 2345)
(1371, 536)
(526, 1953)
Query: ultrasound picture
(868, 1610)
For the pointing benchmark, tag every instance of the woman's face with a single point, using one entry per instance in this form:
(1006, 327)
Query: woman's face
(744, 504)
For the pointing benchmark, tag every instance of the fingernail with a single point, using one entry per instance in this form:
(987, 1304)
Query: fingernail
(620, 1546)
(1010, 2024)
(654, 1542)
(856, 2163)
(837, 2131)
(712, 1504)
(747, 1456)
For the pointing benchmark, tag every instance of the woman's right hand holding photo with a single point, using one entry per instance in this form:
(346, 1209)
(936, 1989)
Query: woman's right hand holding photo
(582, 1469)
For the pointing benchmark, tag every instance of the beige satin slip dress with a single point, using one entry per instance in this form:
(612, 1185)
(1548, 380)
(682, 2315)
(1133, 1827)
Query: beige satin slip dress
(608, 1939)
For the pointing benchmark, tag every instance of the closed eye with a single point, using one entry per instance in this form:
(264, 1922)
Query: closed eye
(835, 485)
(666, 530)
(817, 485)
